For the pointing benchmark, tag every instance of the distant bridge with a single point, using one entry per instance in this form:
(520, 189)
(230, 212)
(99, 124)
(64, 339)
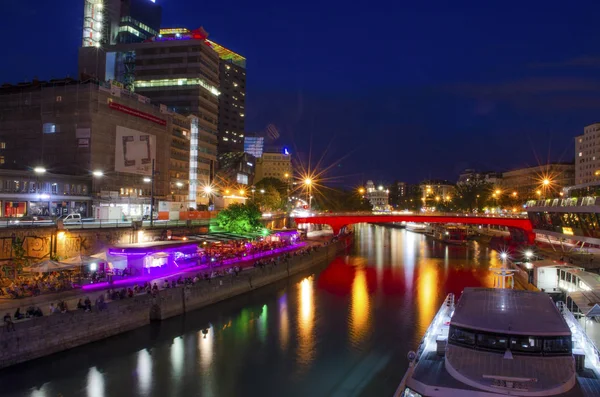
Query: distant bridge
(520, 227)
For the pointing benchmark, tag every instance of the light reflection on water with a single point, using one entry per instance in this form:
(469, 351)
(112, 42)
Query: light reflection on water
(347, 327)
(359, 308)
(306, 339)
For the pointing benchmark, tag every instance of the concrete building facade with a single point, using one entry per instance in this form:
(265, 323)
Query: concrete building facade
(539, 181)
(378, 196)
(434, 191)
(108, 136)
(587, 155)
(274, 165)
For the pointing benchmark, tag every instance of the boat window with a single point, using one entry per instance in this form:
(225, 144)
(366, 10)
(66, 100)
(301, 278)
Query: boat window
(525, 344)
(460, 336)
(557, 345)
(490, 341)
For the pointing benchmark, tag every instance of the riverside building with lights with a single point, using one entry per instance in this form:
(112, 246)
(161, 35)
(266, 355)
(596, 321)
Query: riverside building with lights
(96, 143)
(378, 196)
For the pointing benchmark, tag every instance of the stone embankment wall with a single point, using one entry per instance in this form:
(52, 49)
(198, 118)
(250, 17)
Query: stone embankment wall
(46, 335)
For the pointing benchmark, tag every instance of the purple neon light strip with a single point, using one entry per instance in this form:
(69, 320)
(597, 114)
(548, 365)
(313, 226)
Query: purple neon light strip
(151, 277)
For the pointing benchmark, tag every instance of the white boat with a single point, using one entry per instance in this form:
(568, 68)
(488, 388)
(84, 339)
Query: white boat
(497, 342)
(417, 227)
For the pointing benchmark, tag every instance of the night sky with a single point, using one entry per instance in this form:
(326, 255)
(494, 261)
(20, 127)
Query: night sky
(398, 91)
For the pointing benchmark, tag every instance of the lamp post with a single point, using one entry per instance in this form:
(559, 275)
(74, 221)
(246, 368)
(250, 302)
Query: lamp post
(308, 183)
(151, 193)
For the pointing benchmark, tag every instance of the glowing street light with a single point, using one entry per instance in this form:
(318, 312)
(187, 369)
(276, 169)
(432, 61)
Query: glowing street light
(286, 175)
(528, 254)
(538, 192)
(179, 184)
(514, 194)
(262, 191)
(498, 191)
(308, 181)
(98, 173)
(227, 191)
(242, 192)
(546, 182)
(437, 198)
(39, 170)
(208, 189)
(503, 255)
(147, 180)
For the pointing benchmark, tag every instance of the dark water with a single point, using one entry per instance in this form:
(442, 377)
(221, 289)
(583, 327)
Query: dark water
(341, 331)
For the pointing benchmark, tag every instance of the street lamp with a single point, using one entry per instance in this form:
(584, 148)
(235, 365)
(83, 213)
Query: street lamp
(503, 255)
(208, 190)
(98, 174)
(242, 192)
(39, 170)
(546, 182)
(308, 182)
(147, 180)
(528, 254)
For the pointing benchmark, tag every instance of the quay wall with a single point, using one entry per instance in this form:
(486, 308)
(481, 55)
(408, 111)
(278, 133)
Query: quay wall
(38, 337)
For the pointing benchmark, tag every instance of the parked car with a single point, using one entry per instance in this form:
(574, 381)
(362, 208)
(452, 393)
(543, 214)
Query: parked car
(70, 219)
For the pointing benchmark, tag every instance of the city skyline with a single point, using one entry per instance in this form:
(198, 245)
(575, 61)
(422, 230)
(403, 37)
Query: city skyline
(439, 103)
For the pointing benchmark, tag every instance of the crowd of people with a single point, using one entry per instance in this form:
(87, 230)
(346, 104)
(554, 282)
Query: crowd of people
(34, 285)
(54, 281)
(241, 249)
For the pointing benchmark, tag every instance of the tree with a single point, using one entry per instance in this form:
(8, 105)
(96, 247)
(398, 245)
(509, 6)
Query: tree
(394, 194)
(270, 200)
(337, 200)
(19, 256)
(240, 218)
(277, 184)
(472, 194)
(412, 200)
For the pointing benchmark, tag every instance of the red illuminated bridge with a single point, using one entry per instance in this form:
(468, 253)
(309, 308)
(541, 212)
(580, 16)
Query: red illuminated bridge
(520, 227)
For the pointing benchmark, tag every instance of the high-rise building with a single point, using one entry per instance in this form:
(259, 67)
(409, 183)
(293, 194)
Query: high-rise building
(108, 22)
(232, 101)
(587, 155)
(254, 145)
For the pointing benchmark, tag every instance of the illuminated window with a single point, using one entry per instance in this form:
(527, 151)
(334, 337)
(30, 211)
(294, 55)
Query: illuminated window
(49, 128)
(1, 159)
(2, 145)
(580, 154)
(180, 82)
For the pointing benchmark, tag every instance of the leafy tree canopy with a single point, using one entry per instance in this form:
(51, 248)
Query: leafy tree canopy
(240, 218)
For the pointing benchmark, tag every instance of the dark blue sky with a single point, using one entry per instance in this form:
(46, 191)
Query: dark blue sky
(404, 91)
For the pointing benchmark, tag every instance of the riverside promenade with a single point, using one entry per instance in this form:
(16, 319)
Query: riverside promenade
(42, 336)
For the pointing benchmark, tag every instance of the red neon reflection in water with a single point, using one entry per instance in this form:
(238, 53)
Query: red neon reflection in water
(431, 279)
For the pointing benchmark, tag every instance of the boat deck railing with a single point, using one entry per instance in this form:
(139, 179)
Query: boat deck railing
(580, 338)
(429, 341)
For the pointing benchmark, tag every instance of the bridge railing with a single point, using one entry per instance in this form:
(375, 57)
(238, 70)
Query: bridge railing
(448, 214)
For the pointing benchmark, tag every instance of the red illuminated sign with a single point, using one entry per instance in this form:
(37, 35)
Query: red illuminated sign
(136, 113)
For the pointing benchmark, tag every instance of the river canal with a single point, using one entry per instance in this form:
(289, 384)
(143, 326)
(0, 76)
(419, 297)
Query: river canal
(343, 330)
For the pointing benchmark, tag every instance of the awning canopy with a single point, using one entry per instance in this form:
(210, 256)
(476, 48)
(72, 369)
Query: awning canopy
(48, 266)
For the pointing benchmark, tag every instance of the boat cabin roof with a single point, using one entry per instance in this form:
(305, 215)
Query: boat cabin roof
(505, 311)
